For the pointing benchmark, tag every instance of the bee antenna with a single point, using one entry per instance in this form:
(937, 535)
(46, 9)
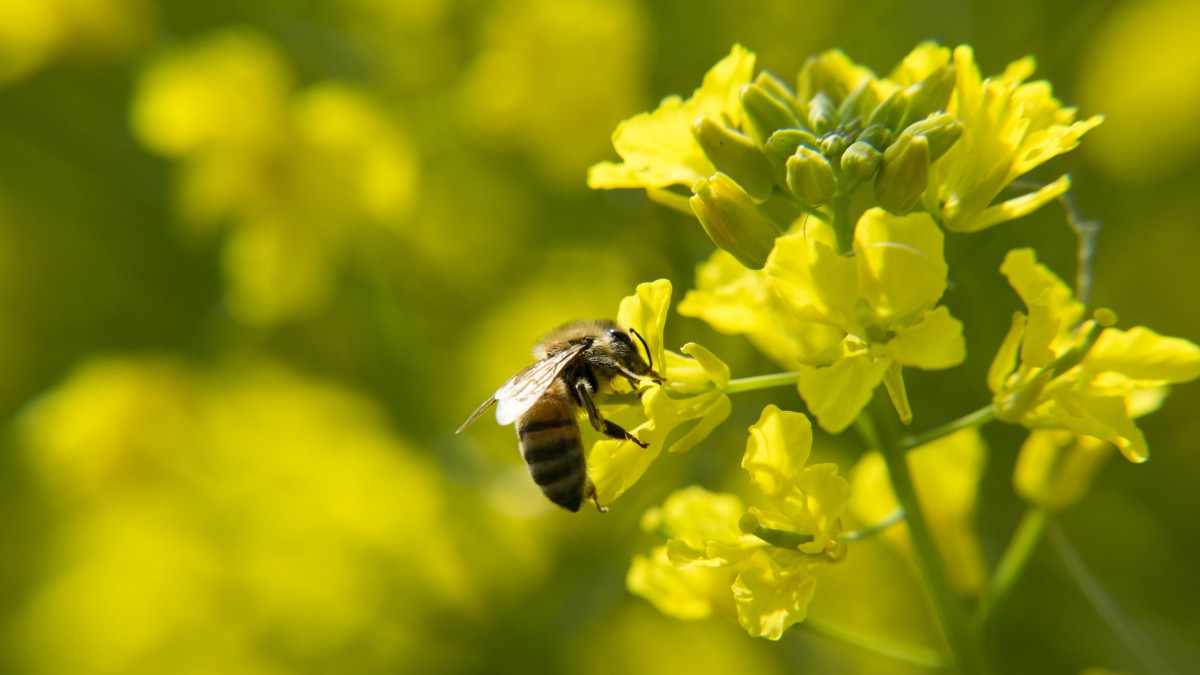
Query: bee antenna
(649, 359)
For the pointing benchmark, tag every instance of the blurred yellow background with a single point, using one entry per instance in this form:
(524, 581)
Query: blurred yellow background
(258, 260)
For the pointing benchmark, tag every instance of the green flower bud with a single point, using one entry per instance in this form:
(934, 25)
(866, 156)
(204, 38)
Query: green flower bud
(931, 94)
(858, 102)
(877, 135)
(860, 161)
(736, 155)
(903, 174)
(810, 178)
(833, 145)
(942, 130)
(733, 221)
(890, 112)
(822, 113)
(766, 113)
(783, 143)
(776, 87)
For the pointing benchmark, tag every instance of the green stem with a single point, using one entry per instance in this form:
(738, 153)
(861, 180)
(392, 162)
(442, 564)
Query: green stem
(762, 382)
(889, 520)
(916, 656)
(962, 635)
(978, 418)
(1104, 603)
(1014, 559)
(843, 229)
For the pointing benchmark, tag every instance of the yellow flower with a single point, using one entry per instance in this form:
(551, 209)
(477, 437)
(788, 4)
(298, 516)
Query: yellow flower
(882, 302)
(766, 558)
(1056, 467)
(1040, 379)
(740, 301)
(674, 416)
(1009, 127)
(296, 176)
(659, 149)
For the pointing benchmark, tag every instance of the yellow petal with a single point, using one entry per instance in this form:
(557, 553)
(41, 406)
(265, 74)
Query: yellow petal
(646, 312)
(770, 598)
(836, 394)
(936, 342)
(901, 268)
(777, 450)
(1142, 354)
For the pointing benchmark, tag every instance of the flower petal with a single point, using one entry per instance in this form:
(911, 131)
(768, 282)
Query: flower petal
(935, 343)
(836, 394)
(777, 450)
(1142, 354)
(771, 598)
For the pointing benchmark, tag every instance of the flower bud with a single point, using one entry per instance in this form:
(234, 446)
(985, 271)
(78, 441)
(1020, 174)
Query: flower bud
(833, 145)
(736, 155)
(877, 135)
(810, 178)
(890, 112)
(783, 143)
(733, 221)
(860, 161)
(931, 94)
(859, 101)
(903, 174)
(766, 113)
(776, 87)
(942, 130)
(822, 113)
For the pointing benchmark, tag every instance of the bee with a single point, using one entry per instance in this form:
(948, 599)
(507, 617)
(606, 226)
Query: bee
(576, 362)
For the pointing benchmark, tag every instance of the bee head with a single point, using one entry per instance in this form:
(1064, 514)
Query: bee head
(627, 352)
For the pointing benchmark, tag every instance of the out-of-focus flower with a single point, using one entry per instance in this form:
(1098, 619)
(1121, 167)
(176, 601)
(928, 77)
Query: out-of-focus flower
(946, 473)
(36, 32)
(297, 176)
(243, 519)
(525, 90)
(659, 149)
(1009, 127)
(882, 302)
(1056, 467)
(766, 557)
(1137, 63)
(675, 416)
(1047, 374)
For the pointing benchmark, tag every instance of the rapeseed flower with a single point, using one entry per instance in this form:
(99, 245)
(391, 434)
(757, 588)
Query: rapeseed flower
(1056, 371)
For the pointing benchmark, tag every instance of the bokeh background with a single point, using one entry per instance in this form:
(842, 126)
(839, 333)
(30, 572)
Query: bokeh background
(258, 260)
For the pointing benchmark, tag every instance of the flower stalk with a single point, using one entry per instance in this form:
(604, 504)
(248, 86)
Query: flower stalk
(961, 633)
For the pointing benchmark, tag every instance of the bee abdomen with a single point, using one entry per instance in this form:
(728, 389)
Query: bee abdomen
(553, 449)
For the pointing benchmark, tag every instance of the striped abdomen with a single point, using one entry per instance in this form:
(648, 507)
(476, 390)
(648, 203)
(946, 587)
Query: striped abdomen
(552, 447)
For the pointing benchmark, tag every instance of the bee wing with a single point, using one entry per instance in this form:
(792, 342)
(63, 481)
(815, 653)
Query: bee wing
(526, 387)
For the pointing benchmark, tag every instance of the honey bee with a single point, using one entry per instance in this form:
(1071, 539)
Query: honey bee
(576, 362)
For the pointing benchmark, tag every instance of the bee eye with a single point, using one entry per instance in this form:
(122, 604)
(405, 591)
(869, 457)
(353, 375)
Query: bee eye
(619, 336)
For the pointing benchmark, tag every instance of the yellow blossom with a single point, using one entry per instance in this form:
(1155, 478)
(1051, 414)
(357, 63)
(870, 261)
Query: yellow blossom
(659, 149)
(1040, 379)
(765, 557)
(882, 302)
(1056, 467)
(674, 416)
(1010, 126)
(296, 175)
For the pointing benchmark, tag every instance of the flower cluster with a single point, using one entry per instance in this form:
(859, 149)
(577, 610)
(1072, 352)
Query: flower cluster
(766, 556)
(845, 300)
(829, 201)
(258, 155)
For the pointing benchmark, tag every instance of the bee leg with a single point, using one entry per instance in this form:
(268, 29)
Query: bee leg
(591, 494)
(599, 423)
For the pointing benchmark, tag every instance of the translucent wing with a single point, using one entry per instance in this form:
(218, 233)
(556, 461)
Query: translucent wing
(526, 387)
